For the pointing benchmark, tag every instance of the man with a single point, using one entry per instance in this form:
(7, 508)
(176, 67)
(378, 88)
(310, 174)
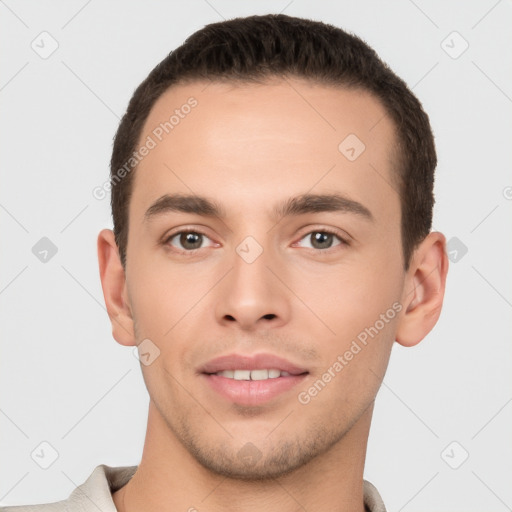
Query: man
(272, 193)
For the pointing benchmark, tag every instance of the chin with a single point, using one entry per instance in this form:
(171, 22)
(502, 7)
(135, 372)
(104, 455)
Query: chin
(255, 462)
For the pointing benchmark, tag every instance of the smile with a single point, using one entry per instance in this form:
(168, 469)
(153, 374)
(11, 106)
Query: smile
(260, 374)
(251, 379)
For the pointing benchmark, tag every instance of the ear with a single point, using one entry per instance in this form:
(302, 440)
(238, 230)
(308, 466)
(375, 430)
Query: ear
(423, 292)
(113, 282)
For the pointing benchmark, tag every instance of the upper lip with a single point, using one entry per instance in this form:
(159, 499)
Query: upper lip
(251, 362)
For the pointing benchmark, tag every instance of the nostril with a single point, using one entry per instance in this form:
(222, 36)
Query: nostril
(269, 316)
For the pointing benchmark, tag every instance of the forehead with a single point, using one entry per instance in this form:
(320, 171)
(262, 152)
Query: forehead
(247, 144)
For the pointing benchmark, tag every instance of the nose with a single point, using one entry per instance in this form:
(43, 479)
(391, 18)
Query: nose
(252, 295)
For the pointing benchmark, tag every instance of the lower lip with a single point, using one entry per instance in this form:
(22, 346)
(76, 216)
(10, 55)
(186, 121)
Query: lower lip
(252, 392)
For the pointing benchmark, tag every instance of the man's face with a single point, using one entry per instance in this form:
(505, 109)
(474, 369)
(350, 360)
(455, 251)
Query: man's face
(310, 287)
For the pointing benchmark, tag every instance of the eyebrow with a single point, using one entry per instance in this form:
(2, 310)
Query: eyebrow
(298, 205)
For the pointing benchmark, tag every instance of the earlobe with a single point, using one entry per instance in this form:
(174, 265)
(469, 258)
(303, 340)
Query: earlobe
(424, 289)
(113, 283)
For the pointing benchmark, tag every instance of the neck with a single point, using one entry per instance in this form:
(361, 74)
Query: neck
(168, 477)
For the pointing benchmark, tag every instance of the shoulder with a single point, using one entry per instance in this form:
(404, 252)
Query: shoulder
(372, 499)
(95, 493)
(59, 506)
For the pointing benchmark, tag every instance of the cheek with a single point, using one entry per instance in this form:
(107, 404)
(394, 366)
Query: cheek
(163, 296)
(353, 366)
(168, 306)
(361, 311)
(347, 299)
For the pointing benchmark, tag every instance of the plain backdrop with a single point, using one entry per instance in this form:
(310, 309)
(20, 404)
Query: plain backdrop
(440, 438)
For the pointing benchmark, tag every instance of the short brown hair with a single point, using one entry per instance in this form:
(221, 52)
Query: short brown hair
(275, 45)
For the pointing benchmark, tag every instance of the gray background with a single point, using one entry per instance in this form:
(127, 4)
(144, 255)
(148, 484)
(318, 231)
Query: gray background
(66, 382)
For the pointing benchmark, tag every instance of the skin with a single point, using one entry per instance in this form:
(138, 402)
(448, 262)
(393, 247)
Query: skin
(249, 147)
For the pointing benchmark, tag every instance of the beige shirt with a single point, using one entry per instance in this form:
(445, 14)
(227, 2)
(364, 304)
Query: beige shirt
(96, 494)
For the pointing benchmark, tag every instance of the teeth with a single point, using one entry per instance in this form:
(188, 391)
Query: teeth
(259, 374)
(252, 374)
(242, 375)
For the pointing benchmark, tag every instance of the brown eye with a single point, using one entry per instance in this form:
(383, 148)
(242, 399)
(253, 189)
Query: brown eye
(323, 239)
(187, 240)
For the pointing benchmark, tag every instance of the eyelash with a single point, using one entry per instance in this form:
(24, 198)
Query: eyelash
(344, 242)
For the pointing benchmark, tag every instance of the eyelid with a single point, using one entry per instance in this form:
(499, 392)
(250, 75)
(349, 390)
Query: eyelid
(344, 237)
(185, 229)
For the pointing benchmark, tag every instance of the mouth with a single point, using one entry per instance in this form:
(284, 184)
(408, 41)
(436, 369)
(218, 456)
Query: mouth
(260, 374)
(251, 380)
